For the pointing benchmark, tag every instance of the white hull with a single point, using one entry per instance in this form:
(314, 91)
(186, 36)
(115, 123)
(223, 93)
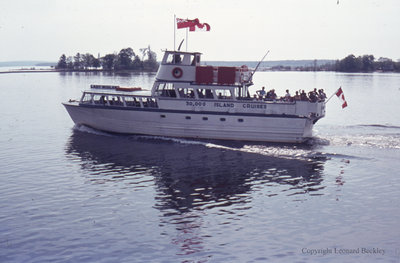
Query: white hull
(222, 126)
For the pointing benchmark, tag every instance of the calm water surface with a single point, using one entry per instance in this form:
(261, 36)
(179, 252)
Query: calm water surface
(74, 194)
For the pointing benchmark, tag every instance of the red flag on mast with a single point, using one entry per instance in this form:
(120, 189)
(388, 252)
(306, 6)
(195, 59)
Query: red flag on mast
(340, 95)
(192, 24)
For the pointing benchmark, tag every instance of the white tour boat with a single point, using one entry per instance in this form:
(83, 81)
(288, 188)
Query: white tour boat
(191, 100)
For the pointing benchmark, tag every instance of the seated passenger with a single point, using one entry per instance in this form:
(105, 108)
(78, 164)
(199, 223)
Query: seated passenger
(102, 100)
(209, 94)
(273, 95)
(200, 93)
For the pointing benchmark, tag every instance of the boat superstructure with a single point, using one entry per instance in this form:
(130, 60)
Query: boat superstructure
(192, 100)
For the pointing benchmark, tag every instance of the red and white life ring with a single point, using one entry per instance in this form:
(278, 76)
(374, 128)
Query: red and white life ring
(177, 73)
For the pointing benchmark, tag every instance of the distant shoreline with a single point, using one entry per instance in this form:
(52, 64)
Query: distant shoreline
(70, 71)
(142, 71)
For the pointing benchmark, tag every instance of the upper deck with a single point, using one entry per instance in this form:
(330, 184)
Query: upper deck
(179, 66)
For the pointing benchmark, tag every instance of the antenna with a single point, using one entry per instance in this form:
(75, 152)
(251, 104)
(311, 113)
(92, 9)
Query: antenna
(179, 48)
(259, 63)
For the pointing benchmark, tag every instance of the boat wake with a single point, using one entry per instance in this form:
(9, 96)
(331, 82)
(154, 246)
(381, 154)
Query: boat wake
(312, 149)
(377, 136)
(86, 129)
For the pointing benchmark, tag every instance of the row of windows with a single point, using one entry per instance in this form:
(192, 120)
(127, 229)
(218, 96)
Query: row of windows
(204, 118)
(118, 100)
(170, 90)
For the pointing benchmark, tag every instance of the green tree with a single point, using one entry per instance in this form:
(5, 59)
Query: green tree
(62, 62)
(88, 60)
(137, 63)
(108, 61)
(78, 61)
(367, 63)
(348, 64)
(124, 60)
(151, 62)
(70, 63)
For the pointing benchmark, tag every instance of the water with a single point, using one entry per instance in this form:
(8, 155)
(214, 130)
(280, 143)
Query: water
(74, 194)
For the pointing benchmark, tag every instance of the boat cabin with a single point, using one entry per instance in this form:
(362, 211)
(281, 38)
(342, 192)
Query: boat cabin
(182, 76)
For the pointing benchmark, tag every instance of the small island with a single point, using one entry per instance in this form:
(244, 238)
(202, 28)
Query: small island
(125, 60)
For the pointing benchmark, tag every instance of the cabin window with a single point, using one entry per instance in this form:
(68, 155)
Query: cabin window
(87, 98)
(149, 103)
(200, 93)
(209, 94)
(132, 102)
(186, 93)
(222, 119)
(162, 116)
(223, 93)
(188, 117)
(240, 120)
(205, 118)
(204, 93)
(115, 101)
(99, 99)
(166, 90)
(174, 59)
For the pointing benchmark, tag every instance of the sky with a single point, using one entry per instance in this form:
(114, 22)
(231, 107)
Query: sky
(240, 30)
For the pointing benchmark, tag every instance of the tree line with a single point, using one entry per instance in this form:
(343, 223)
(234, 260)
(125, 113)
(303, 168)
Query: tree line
(126, 59)
(365, 63)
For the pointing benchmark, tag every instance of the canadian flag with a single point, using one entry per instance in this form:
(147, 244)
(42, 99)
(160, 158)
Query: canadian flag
(340, 95)
(194, 25)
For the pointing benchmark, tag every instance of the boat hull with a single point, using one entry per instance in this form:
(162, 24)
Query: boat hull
(202, 125)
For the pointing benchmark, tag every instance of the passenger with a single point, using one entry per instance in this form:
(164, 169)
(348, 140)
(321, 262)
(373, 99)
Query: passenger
(102, 100)
(220, 95)
(255, 97)
(261, 93)
(209, 94)
(287, 96)
(181, 93)
(321, 95)
(200, 93)
(313, 96)
(297, 96)
(303, 96)
(273, 94)
(191, 94)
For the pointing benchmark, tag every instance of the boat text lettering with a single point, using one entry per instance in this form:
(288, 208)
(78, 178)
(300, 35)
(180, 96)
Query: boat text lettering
(254, 106)
(223, 105)
(195, 103)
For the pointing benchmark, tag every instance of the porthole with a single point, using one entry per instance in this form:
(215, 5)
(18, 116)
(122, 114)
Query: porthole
(222, 119)
(188, 117)
(240, 120)
(162, 116)
(205, 118)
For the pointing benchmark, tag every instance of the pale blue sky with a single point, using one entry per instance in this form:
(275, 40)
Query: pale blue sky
(240, 30)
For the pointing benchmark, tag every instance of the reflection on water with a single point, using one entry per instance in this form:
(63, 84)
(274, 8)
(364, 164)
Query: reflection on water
(194, 175)
(191, 177)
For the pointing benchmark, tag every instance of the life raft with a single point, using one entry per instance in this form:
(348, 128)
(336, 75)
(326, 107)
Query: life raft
(177, 73)
(128, 88)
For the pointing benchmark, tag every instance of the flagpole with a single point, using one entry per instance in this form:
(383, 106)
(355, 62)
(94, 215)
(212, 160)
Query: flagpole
(174, 30)
(187, 38)
(332, 95)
